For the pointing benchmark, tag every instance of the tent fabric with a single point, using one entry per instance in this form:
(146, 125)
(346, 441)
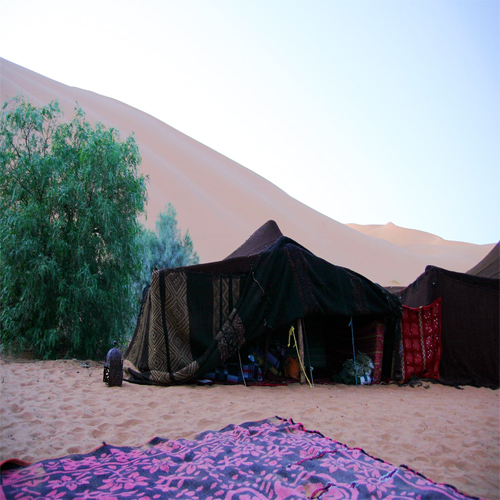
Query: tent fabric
(488, 267)
(469, 324)
(261, 239)
(421, 348)
(195, 318)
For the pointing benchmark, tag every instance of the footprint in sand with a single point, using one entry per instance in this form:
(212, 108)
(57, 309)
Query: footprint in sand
(27, 416)
(130, 423)
(73, 449)
(97, 433)
(105, 426)
(15, 408)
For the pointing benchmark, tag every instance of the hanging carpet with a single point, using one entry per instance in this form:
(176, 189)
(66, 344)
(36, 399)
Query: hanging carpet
(421, 341)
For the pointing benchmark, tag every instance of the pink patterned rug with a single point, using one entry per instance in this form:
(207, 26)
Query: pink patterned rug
(270, 459)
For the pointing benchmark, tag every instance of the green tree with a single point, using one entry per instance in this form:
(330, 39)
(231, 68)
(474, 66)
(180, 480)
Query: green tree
(70, 197)
(164, 248)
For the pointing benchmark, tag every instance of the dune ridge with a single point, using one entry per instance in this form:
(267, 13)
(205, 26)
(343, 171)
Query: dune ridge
(222, 202)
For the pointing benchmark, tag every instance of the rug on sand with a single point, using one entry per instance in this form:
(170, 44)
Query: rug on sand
(270, 459)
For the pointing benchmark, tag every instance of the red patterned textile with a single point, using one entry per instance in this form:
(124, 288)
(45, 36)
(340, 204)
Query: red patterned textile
(377, 349)
(421, 341)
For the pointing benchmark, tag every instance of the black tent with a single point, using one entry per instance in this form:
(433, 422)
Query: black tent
(488, 267)
(470, 330)
(197, 317)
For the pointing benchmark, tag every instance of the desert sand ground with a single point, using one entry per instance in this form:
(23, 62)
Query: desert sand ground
(54, 408)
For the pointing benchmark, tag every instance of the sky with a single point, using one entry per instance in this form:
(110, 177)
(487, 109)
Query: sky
(370, 111)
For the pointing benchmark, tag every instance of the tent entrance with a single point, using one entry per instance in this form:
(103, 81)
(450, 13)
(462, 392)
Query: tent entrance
(327, 345)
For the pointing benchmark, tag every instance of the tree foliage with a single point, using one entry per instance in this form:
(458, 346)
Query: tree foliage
(70, 195)
(164, 248)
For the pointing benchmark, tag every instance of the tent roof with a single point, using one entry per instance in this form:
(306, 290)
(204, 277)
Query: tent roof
(243, 258)
(261, 239)
(489, 266)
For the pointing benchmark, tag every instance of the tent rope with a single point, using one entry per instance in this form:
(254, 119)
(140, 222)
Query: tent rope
(260, 286)
(290, 334)
(354, 353)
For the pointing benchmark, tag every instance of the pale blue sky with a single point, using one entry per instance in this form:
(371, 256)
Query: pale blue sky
(368, 111)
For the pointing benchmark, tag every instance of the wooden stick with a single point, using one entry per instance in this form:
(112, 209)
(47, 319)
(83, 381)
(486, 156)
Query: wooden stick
(300, 334)
(266, 350)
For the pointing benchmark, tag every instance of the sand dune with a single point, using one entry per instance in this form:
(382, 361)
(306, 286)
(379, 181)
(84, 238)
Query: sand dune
(453, 255)
(54, 408)
(222, 202)
(403, 237)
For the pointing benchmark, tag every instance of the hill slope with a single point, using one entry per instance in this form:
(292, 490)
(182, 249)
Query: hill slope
(222, 202)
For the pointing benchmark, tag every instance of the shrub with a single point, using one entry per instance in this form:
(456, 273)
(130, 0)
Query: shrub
(164, 248)
(70, 197)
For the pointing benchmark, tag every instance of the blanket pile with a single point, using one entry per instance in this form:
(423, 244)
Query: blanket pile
(270, 459)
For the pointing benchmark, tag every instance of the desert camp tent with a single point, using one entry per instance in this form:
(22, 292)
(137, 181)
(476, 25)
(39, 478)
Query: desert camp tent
(263, 238)
(489, 267)
(469, 324)
(196, 318)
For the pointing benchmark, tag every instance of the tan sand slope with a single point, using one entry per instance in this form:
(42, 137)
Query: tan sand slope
(403, 237)
(451, 255)
(222, 202)
(54, 408)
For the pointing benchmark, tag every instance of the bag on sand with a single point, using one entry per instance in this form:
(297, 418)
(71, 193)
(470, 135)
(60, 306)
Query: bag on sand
(292, 369)
(364, 370)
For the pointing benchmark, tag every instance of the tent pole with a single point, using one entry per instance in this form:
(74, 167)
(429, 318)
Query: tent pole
(266, 350)
(301, 349)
